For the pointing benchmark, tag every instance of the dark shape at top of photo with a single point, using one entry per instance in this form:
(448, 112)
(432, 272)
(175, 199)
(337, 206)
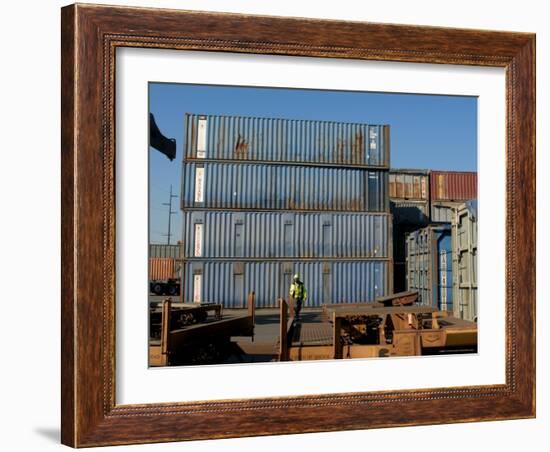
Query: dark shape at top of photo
(161, 143)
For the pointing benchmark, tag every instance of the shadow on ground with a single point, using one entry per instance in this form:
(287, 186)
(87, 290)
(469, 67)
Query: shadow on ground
(51, 433)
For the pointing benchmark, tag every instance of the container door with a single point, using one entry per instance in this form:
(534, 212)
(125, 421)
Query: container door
(327, 284)
(374, 192)
(373, 146)
(238, 285)
(197, 249)
(288, 236)
(239, 239)
(199, 185)
(327, 247)
(201, 138)
(445, 273)
(197, 288)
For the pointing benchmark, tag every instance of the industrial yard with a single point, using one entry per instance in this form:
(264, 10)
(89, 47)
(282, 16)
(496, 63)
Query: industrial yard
(300, 241)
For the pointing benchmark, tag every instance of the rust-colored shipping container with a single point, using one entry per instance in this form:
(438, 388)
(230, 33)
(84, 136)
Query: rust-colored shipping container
(406, 184)
(453, 186)
(161, 268)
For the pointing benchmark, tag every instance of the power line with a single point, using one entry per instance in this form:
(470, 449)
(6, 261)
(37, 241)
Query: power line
(170, 213)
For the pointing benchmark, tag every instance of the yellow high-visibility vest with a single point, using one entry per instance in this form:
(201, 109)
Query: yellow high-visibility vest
(298, 291)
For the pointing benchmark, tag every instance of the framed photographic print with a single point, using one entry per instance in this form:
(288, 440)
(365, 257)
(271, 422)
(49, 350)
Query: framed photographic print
(282, 225)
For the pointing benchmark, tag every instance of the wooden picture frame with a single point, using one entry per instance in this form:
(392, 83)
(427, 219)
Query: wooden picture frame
(90, 36)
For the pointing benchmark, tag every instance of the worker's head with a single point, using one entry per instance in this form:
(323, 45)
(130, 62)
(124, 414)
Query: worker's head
(296, 277)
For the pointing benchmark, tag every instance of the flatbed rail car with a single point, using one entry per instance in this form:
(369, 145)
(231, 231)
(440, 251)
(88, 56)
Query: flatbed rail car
(195, 334)
(374, 330)
(182, 314)
(398, 299)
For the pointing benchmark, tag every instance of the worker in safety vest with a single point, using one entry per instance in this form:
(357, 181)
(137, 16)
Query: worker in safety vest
(299, 293)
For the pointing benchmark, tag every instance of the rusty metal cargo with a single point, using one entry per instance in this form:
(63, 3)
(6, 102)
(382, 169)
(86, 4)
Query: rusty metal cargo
(430, 266)
(464, 229)
(161, 268)
(216, 185)
(409, 184)
(286, 141)
(213, 234)
(228, 282)
(453, 186)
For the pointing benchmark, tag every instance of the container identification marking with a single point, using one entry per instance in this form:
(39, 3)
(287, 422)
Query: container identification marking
(199, 185)
(197, 288)
(198, 240)
(201, 139)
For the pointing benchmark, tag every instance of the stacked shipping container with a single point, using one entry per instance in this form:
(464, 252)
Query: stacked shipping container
(286, 141)
(231, 234)
(410, 196)
(442, 263)
(448, 190)
(214, 185)
(420, 197)
(410, 208)
(266, 198)
(160, 250)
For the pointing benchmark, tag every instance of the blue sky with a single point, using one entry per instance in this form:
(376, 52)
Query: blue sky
(427, 131)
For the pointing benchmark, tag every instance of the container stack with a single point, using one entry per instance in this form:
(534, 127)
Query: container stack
(410, 209)
(439, 240)
(263, 199)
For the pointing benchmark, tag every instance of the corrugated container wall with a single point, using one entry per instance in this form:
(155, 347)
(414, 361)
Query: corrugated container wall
(229, 282)
(443, 211)
(159, 250)
(409, 185)
(430, 266)
(286, 234)
(161, 268)
(453, 186)
(287, 141)
(273, 187)
(465, 261)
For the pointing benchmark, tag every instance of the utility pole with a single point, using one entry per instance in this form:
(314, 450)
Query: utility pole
(170, 212)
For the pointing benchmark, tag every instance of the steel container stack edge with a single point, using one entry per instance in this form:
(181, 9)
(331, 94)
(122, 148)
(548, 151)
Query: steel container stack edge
(213, 234)
(286, 141)
(465, 261)
(228, 282)
(254, 186)
(430, 266)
